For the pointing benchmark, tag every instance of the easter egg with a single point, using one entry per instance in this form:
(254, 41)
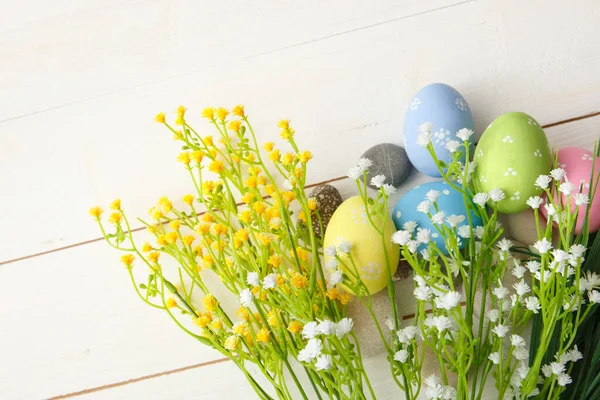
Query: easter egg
(450, 202)
(448, 112)
(577, 162)
(350, 223)
(511, 154)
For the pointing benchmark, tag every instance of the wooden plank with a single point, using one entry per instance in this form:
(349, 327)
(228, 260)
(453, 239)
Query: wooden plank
(90, 152)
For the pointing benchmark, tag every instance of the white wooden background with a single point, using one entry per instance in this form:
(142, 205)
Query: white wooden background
(80, 82)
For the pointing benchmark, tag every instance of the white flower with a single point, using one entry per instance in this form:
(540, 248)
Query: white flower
(564, 379)
(464, 231)
(270, 281)
(355, 172)
(410, 226)
(495, 357)
(423, 293)
(574, 354)
(425, 254)
(438, 218)
(558, 174)
(423, 235)
(550, 210)
(401, 237)
(533, 266)
(364, 163)
(323, 362)
(547, 370)
(500, 292)
(557, 367)
(567, 187)
(590, 282)
(432, 195)
(332, 263)
(581, 199)
(535, 202)
(521, 288)
(448, 300)
(311, 351)
(594, 296)
(407, 334)
(326, 327)
(500, 330)
(378, 180)
(344, 247)
(389, 322)
(480, 199)
(497, 195)
(504, 244)
(452, 146)
(533, 304)
(534, 392)
(388, 189)
(560, 255)
(424, 207)
(464, 134)
(424, 139)
(426, 127)
(252, 279)
(543, 181)
(577, 250)
(246, 297)
(310, 330)
(454, 220)
(413, 245)
(479, 231)
(336, 277)
(330, 251)
(517, 341)
(401, 356)
(521, 353)
(441, 323)
(343, 327)
(518, 271)
(543, 246)
(493, 315)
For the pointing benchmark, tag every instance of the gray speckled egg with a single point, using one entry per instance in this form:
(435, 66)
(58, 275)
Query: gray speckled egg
(328, 200)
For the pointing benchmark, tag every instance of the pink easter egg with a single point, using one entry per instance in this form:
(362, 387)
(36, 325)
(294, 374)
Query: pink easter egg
(577, 162)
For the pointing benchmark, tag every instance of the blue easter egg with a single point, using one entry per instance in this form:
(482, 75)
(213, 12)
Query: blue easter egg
(450, 201)
(448, 112)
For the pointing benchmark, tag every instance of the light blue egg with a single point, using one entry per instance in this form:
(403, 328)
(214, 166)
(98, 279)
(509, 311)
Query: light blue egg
(450, 202)
(448, 111)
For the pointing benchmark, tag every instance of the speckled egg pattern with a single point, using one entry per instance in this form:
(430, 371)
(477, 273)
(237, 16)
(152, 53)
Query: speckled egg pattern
(350, 223)
(511, 154)
(448, 112)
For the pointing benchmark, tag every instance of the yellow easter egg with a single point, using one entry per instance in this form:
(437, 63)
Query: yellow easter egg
(350, 223)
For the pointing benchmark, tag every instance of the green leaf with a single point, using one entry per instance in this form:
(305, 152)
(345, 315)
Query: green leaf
(143, 286)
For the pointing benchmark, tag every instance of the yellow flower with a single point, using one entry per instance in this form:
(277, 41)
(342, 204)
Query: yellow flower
(188, 199)
(115, 218)
(222, 113)
(208, 186)
(188, 240)
(243, 313)
(209, 113)
(312, 204)
(184, 158)
(259, 207)
(262, 180)
(250, 183)
(231, 343)
(202, 229)
(305, 156)
(116, 205)
(160, 118)
(295, 327)
(216, 166)
(275, 260)
(172, 237)
(345, 298)
(202, 320)
(251, 157)
(242, 234)
(236, 158)
(263, 335)
(241, 328)
(270, 189)
(127, 259)
(96, 212)
(284, 124)
(156, 213)
(217, 325)
(248, 197)
(175, 224)
(268, 146)
(198, 250)
(235, 125)
(299, 281)
(197, 156)
(206, 217)
(210, 303)
(272, 318)
(302, 254)
(265, 238)
(219, 229)
(208, 261)
(302, 216)
(178, 135)
(288, 158)
(245, 216)
(146, 247)
(161, 240)
(181, 110)
(239, 111)
(179, 120)
(208, 140)
(288, 197)
(332, 293)
(166, 204)
(171, 303)
(154, 256)
(275, 155)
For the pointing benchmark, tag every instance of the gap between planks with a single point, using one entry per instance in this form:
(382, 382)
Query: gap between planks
(340, 178)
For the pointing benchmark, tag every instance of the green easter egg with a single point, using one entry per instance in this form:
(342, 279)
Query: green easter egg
(511, 154)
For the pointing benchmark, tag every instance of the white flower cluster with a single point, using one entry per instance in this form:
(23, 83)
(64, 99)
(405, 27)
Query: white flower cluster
(558, 367)
(313, 351)
(567, 188)
(436, 390)
(335, 274)
(424, 137)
